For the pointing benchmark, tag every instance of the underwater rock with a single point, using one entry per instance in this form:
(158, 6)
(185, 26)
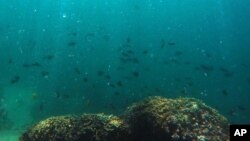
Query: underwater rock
(87, 127)
(183, 119)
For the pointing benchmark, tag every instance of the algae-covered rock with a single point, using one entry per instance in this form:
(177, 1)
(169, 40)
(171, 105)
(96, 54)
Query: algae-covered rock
(154, 119)
(88, 127)
(183, 119)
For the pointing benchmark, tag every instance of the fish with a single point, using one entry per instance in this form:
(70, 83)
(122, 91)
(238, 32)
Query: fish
(107, 76)
(242, 108)
(128, 40)
(135, 74)
(134, 60)
(35, 64)
(10, 61)
(178, 53)
(41, 107)
(49, 57)
(77, 70)
(45, 74)
(15, 79)
(71, 44)
(100, 73)
(85, 79)
(119, 83)
(208, 55)
(112, 85)
(125, 54)
(145, 52)
(123, 60)
(130, 51)
(226, 72)
(117, 93)
(72, 34)
(177, 79)
(171, 43)
(205, 68)
(224, 92)
(248, 80)
(26, 65)
(163, 43)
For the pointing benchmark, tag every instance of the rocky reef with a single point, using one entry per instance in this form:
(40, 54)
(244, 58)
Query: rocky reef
(87, 127)
(183, 119)
(154, 119)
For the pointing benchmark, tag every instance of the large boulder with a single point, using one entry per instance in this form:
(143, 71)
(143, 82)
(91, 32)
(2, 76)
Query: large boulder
(88, 127)
(183, 119)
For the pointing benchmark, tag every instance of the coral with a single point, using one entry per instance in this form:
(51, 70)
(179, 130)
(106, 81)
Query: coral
(183, 119)
(89, 127)
(154, 119)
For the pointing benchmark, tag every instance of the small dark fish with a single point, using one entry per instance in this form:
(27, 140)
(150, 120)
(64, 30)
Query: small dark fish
(123, 60)
(145, 52)
(228, 74)
(112, 85)
(177, 79)
(26, 65)
(224, 92)
(71, 44)
(85, 79)
(49, 57)
(128, 40)
(163, 43)
(206, 68)
(58, 95)
(72, 34)
(136, 74)
(242, 108)
(41, 107)
(117, 93)
(178, 53)
(187, 63)
(248, 80)
(166, 62)
(175, 61)
(100, 73)
(244, 65)
(35, 64)
(15, 79)
(171, 43)
(77, 71)
(190, 83)
(208, 55)
(45, 74)
(130, 51)
(224, 70)
(135, 60)
(119, 83)
(10, 61)
(107, 76)
(125, 54)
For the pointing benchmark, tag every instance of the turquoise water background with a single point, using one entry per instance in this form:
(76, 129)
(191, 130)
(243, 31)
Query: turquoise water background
(74, 56)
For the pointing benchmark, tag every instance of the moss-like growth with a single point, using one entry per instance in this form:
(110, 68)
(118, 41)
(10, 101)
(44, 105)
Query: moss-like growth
(88, 127)
(183, 119)
(154, 119)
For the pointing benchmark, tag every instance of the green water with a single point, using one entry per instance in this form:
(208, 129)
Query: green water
(69, 57)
